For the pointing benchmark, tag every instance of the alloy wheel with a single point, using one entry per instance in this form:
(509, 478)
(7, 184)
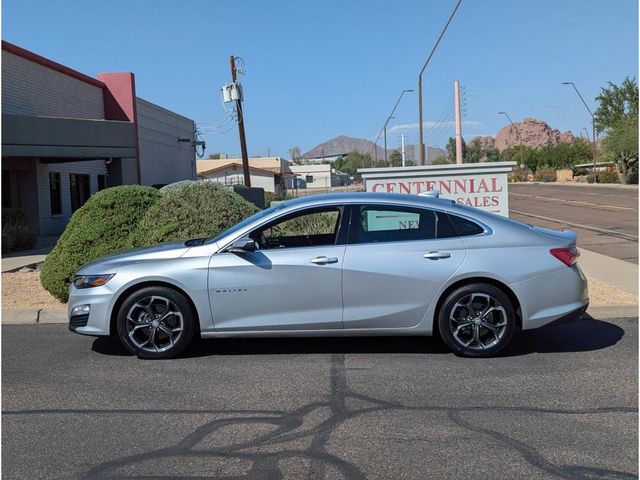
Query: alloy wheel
(154, 324)
(478, 321)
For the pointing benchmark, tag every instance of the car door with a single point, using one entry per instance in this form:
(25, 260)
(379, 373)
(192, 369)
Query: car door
(293, 281)
(394, 264)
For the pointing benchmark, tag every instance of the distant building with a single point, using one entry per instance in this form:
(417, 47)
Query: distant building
(319, 176)
(232, 174)
(259, 166)
(66, 135)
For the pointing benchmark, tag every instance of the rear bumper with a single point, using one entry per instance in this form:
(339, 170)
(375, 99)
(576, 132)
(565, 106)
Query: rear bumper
(570, 317)
(552, 297)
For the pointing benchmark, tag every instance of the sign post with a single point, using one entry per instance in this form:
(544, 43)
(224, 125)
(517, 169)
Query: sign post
(480, 185)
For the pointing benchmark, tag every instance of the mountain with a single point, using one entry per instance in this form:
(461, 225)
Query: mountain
(342, 145)
(530, 132)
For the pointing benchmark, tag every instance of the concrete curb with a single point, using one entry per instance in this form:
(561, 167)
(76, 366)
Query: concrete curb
(578, 184)
(32, 315)
(613, 311)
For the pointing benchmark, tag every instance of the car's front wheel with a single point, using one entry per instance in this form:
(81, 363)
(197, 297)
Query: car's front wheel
(477, 320)
(155, 322)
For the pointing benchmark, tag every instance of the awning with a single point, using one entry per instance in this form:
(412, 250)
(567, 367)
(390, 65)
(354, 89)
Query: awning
(66, 138)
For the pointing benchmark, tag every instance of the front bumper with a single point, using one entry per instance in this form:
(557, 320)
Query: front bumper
(98, 321)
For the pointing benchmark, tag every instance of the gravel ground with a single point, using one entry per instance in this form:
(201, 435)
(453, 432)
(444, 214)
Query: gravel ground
(22, 290)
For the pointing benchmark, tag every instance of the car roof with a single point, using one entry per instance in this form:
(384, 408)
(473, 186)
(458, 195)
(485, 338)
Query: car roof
(360, 197)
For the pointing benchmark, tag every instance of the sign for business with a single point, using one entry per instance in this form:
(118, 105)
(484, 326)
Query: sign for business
(483, 186)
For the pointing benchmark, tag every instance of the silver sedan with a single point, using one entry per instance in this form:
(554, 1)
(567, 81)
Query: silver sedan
(337, 265)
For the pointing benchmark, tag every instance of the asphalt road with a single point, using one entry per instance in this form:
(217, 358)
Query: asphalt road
(561, 402)
(605, 218)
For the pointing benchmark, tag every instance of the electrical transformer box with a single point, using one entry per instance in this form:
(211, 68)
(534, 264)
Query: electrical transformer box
(231, 92)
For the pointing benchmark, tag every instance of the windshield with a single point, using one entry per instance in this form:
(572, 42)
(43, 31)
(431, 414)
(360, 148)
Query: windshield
(247, 221)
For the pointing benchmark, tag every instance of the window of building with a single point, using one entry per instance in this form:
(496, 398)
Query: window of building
(80, 191)
(310, 228)
(6, 188)
(102, 182)
(55, 193)
(308, 178)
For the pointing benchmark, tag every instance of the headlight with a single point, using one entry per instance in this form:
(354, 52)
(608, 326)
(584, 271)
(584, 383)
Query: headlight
(88, 281)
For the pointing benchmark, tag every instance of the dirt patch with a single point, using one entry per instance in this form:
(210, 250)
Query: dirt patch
(604, 294)
(22, 290)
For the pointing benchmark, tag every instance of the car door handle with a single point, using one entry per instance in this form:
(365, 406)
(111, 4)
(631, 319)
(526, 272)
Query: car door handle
(323, 260)
(436, 255)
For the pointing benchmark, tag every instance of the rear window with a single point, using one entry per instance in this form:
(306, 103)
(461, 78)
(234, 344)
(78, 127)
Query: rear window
(464, 227)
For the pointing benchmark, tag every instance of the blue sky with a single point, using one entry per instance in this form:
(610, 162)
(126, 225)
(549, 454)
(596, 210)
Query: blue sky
(315, 70)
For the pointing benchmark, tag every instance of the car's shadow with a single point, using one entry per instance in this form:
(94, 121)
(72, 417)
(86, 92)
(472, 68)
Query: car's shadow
(582, 335)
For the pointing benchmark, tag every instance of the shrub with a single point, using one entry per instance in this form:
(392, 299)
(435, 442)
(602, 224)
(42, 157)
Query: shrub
(189, 210)
(270, 197)
(101, 226)
(608, 176)
(178, 185)
(16, 234)
(545, 175)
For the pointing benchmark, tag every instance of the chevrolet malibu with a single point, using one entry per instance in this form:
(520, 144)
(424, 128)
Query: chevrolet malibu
(338, 265)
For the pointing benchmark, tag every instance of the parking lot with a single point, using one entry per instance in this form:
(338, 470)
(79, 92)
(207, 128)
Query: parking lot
(561, 402)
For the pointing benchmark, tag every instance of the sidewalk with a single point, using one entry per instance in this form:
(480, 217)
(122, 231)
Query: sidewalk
(16, 260)
(618, 273)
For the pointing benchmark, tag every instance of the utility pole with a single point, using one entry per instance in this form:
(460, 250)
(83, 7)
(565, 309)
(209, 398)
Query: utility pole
(403, 158)
(421, 145)
(456, 94)
(243, 140)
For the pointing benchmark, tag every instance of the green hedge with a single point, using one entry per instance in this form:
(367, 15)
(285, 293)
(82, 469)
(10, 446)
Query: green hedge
(16, 233)
(191, 210)
(103, 225)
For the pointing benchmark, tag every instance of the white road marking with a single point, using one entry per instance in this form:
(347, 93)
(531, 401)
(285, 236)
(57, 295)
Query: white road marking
(577, 225)
(574, 202)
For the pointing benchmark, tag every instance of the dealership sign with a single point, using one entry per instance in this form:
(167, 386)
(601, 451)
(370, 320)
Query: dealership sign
(480, 185)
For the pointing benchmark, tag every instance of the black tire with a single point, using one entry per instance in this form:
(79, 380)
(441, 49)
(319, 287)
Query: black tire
(161, 316)
(487, 331)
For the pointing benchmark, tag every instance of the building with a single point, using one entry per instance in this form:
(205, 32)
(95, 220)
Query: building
(278, 166)
(319, 176)
(66, 135)
(232, 174)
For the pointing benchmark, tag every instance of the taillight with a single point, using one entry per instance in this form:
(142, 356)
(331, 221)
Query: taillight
(568, 256)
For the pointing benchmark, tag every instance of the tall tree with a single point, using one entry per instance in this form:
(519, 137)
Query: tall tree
(451, 149)
(395, 158)
(296, 155)
(617, 116)
(621, 144)
(616, 103)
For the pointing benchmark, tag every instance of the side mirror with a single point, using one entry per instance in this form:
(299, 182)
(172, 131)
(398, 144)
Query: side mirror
(243, 245)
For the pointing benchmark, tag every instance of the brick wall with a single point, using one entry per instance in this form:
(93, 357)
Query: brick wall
(29, 88)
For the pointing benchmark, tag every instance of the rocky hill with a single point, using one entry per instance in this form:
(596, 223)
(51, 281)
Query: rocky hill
(342, 145)
(532, 133)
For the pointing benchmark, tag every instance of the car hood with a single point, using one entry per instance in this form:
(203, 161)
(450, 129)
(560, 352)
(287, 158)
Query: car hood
(110, 263)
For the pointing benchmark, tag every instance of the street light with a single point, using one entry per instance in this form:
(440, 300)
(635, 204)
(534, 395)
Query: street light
(384, 128)
(421, 140)
(593, 124)
(517, 135)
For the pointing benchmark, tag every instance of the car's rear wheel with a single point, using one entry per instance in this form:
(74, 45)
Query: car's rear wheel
(155, 322)
(477, 320)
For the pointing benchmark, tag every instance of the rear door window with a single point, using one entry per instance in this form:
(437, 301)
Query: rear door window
(372, 224)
